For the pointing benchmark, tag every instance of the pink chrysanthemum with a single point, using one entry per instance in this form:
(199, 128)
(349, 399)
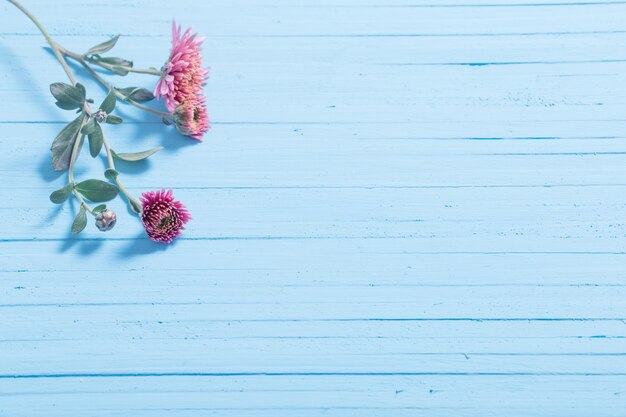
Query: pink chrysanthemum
(191, 117)
(182, 75)
(162, 216)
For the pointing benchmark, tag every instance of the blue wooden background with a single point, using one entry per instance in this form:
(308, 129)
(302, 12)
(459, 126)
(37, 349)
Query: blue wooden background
(404, 208)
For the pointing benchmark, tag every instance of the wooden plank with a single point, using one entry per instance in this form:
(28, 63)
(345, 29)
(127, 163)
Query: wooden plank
(250, 18)
(403, 208)
(314, 395)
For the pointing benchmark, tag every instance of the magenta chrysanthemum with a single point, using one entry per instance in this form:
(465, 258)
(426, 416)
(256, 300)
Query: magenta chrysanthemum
(162, 216)
(191, 117)
(182, 75)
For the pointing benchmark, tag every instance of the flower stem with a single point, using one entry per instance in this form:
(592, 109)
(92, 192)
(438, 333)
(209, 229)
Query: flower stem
(82, 202)
(135, 205)
(86, 110)
(60, 52)
(51, 42)
(81, 59)
(150, 71)
(148, 109)
(70, 171)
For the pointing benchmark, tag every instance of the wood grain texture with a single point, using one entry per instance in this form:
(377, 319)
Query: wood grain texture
(403, 208)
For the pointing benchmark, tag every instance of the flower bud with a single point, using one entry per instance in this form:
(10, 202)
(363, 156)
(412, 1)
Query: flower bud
(100, 116)
(191, 117)
(105, 220)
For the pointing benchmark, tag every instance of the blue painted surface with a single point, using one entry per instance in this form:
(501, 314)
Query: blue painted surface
(403, 208)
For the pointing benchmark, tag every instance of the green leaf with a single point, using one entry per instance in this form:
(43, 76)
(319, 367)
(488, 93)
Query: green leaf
(118, 70)
(111, 174)
(113, 119)
(98, 209)
(89, 127)
(108, 105)
(103, 47)
(136, 156)
(138, 94)
(63, 143)
(96, 139)
(96, 190)
(80, 221)
(69, 97)
(59, 196)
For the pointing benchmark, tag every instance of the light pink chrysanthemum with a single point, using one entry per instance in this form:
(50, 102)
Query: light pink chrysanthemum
(162, 216)
(191, 117)
(182, 75)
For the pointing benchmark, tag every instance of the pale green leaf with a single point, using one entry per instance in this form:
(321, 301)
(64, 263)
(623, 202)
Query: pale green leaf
(103, 47)
(63, 144)
(80, 221)
(97, 190)
(62, 194)
(136, 156)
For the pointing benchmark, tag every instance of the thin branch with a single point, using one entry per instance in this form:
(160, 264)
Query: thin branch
(150, 71)
(70, 171)
(59, 52)
(146, 108)
(51, 42)
(79, 58)
(135, 205)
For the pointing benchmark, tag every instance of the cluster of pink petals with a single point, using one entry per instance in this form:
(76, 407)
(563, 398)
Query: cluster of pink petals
(191, 117)
(162, 216)
(182, 79)
(182, 75)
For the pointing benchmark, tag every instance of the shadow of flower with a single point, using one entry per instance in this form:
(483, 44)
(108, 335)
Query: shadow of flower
(140, 246)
